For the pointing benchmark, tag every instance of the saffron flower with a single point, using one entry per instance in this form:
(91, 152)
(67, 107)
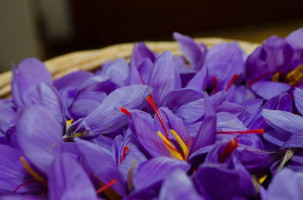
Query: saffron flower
(213, 124)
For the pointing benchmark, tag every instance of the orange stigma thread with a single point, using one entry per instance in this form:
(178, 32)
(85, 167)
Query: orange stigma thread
(125, 150)
(32, 172)
(250, 83)
(215, 84)
(122, 109)
(232, 81)
(152, 103)
(258, 131)
(231, 146)
(105, 187)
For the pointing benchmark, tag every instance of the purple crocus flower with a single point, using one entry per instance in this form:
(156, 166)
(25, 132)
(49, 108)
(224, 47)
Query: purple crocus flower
(274, 67)
(29, 74)
(222, 176)
(157, 141)
(107, 118)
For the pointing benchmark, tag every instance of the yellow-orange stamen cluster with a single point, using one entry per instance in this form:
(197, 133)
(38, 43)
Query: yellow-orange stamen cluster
(294, 77)
(172, 149)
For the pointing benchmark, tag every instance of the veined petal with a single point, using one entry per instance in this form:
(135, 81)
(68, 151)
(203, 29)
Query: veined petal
(269, 89)
(286, 184)
(13, 173)
(152, 172)
(140, 52)
(298, 93)
(199, 81)
(285, 121)
(39, 135)
(223, 61)
(164, 77)
(50, 99)
(178, 186)
(101, 163)
(30, 73)
(206, 134)
(191, 50)
(68, 180)
(117, 71)
(107, 117)
(141, 124)
(177, 98)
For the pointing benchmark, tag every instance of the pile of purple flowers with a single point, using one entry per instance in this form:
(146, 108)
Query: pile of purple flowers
(211, 124)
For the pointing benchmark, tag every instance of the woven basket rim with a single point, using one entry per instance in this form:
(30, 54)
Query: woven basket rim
(92, 59)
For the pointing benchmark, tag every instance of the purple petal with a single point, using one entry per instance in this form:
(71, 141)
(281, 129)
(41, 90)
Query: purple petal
(199, 81)
(228, 122)
(286, 185)
(50, 99)
(85, 103)
(296, 42)
(13, 173)
(269, 89)
(164, 77)
(30, 73)
(39, 136)
(223, 61)
(206, 134)
(68, 180)
(284, 121)
(101, 163)
(218, 182)
(255, 161)
(177, 98)
(298, 93)
(107, 117)
(191, 50)
(178, 186)
(295, 141)
(281, 102)
(141, 52)
(141, 124)
(117, 71)
(152, 172)
(173, 122)
(274, 55)
(68, 85)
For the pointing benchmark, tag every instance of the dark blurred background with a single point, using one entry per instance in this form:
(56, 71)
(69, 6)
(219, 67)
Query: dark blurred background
(47, 28)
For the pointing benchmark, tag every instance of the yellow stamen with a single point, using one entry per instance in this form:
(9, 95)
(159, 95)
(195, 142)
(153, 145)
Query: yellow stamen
(262, 179)
(173, 151)
(295, 76)
(69, 122)
(276, 77)
(31, 171)
(179, 140)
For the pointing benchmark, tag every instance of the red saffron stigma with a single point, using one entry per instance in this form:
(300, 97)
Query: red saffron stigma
(125, 111)
(231, 146)
(152, 103)
(215, 84)
(258, 131)
(105, 187)
(250, 83)
(125, 150)
(24, 184)
(232, 81)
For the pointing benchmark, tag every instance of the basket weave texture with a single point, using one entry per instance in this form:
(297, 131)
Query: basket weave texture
(92, 59)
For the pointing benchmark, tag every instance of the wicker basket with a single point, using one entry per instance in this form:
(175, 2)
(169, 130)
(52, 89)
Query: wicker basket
(92, 59)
